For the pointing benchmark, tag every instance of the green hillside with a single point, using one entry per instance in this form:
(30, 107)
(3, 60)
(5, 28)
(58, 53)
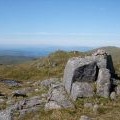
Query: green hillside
(8, 59)
(50, 66)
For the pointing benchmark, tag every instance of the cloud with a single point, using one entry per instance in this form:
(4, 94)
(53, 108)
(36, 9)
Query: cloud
(62, 39)
(66, 34)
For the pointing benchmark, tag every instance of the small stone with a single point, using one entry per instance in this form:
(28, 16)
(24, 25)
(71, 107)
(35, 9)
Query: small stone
(118, 90)
(2, 101)
(95, 108)
(36, 90)
(88, 105)
(84, 117)
(52, 105)
(113, 96)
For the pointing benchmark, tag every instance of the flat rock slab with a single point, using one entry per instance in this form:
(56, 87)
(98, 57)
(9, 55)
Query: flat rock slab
(11, 83)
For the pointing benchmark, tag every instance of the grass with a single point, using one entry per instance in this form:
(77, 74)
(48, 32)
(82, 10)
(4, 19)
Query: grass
(43, 68)
(107, 111)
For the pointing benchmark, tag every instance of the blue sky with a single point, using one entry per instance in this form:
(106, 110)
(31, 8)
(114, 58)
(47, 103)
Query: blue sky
(60, 22)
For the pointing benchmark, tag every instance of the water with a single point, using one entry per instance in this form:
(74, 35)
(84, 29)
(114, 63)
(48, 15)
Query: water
(36, 51)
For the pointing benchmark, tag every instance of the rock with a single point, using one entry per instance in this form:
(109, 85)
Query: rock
(52, 105)
(88, 105)
(19, 93)
(95, 108)
(11, 83)
(2, 101)
(80, 73)
(118, 90)
(27, 105)
(36, 90)
(81, 89)
(6, 115)
(102, 61)
(100, 52)
(58, 98)
(23, 112)
(79, 69)
(34, 101)
(49, 82)
(84, 117)
(103, 83)
(113, 96)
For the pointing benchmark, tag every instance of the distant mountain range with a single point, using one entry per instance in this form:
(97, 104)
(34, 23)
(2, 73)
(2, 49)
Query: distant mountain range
(14, 55)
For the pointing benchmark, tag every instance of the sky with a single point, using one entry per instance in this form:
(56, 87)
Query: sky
(60, 22)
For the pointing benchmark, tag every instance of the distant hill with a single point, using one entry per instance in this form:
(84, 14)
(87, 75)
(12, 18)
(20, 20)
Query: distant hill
(8, 60)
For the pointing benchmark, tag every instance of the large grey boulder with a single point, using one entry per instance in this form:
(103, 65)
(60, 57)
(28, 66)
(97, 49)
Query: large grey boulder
(103, 83)
(80, 73)
(82, 89)
(79, 69)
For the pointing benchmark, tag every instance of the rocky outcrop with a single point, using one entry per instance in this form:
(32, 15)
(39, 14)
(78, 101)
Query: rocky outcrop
(58, 98)
(82, 74)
